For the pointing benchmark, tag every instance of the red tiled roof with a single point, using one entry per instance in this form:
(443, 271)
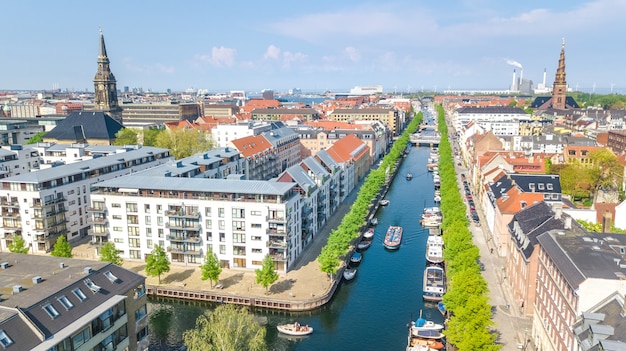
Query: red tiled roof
(253, 145)
(341, 150)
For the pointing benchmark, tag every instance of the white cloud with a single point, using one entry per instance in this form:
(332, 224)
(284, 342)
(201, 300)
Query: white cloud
(352, 54)
(292, 57)
(272, 52)
(155, 68)
(220, 57)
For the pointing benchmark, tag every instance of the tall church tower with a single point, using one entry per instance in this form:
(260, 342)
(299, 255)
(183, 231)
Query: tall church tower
(559, 88)
(105, 86)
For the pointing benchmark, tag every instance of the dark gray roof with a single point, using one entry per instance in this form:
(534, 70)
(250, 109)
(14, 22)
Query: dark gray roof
(579, 254)
(539, 181)
(540, 100)
(501, 186)
(57, 282)
(95, 125)
(603, 325)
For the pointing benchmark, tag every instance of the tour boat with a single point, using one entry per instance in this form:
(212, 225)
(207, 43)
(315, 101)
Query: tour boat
(393, 238)
(434, 249)
(434, 283)
(294, 329)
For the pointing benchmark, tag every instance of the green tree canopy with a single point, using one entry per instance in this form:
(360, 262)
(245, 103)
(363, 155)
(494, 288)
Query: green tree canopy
(62, 248)
(126, 136)
(18, 245)
(149, 136)
(184, 142)
(37, 138)
(606, 171)
(157, 262)
(266, 276)
(211, 268)
(108, 253)
(227, 328)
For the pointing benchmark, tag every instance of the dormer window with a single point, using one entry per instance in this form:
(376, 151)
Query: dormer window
(540, 186)
(549, 186)
(5, 341)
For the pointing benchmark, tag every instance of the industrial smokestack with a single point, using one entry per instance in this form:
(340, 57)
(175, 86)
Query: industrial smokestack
(521, 76)
(544, 77)
(513, 87)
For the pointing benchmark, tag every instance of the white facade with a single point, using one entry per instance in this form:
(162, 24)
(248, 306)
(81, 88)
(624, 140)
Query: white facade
(223, 134)
(42, 205)
(241, 221)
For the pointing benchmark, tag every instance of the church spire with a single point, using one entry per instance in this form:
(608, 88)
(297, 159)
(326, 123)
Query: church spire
(105, 85)
(559, 88)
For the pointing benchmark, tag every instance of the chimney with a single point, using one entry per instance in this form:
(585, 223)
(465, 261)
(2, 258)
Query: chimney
(607, 220)
(558, 212)
(568, 223)
(37, 280)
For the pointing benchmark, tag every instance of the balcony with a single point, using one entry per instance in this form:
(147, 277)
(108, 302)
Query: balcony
(97, 209)
(307, 211)
(98, 220)
(275, 219)
(182, 214)
(185, 250)
(98, 233)
(182, 238)
(6, 214)
(53, 201)
(10, 203)
(274, 231)
(277, 244)
(183, 226)
(278, 256)
(13, 225)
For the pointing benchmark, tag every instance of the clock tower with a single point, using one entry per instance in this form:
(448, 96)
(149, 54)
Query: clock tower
(105, 86)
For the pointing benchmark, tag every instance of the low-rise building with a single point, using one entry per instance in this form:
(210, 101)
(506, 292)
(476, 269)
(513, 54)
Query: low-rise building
(53, 303)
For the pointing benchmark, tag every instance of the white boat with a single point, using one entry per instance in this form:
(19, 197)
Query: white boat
(430, 223)
(364, 245)
(437, 198)
(369, 233)
(432, 210)
(356, 258)
(384, 202)
(294, 329)
(349, 273)
(374, 221)
(434, 249)
(432, 216)
(422, 324)
(434, 283)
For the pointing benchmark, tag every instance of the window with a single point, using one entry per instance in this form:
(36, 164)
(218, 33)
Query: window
(220, 212)
(65, 302)
(119, 217)
(140, 313)
(149, 232)
(255, 213)
(159, 209)
(134, 242)
(134, 254)
(79, 294)
(209, 236)
(222, 249)
(148, 220)
(146, 208)
(114, 205)
(207, 211)
(160, 220)
(257, 251)
(52, 312)
(209, 224)
(118, 240)
(239, 238)
(82, 337)
(4, 339)
(255, 225)
(131, 207)
(222, 224)
(117, 229)
(161, 235)
(549, 186)
(540, 186)
(239, 225)
(256, 238)
(150, 245)
(222, 237)
(239, 213)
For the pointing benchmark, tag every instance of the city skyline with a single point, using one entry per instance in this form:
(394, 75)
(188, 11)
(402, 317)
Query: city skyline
(401, 45)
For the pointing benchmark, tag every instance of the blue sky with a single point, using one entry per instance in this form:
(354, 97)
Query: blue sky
(403, 45)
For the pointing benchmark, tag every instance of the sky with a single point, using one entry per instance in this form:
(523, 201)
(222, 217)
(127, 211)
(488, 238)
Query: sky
(402, 45)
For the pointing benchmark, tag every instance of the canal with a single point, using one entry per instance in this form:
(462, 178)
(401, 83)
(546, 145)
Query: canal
(369, 313)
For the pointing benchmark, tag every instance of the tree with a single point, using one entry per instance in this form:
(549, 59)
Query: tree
(108, 253)
(37, 138)
(62, 248)
(157, 263)
(227, 328)
(18, 245)
(149, 136)
(126, 136)
(266, 276)
(211, 268)
(183, 142)
(606, 171)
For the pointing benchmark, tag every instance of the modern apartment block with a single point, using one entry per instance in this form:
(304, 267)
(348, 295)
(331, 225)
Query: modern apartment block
(42, 205)
(241, 221)
(50, 303)
(394, 119)
(576, 270)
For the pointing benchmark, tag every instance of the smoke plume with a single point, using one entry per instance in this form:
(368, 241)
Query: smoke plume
(514, 63)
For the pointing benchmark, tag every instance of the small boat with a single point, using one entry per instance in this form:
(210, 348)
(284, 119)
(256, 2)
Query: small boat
(356, 258)
(426, 333)
(409, 176)
(432, 210)
(369, 233)
(432, 216)
(434, 249)
(384, 202)
(442, 308)
(437, 198)
(364, 245)
(434, 283)
(349, 273)
(294, 329)
(374, 221)
(423, 324)
(423, 344)
(393, 238)
(430, 223)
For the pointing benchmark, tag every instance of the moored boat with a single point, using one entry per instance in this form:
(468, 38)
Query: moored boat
(384, 202)
(369, 233)
(356, 258)
(423, 324)
(364, 245)
(409, 176)
(393, 238)
(374, 221)
(437, 199)
(427, 333)
(432, 210)
(430, 223)
(294, 329)
(434, 283)
(349, 273)
(434, 249)
(442, 308)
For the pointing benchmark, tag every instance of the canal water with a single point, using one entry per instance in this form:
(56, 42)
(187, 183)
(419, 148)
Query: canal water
(369, 313)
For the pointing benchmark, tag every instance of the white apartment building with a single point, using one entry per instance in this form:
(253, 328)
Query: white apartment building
(42, 205)
(241, 221)
(487, 116)
(223, 134)
(17, 132)
(15, 160)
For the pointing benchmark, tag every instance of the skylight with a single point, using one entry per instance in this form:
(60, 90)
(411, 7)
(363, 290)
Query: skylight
(52, 312)
(66, 302)
(79, 293)
(92, 286)
(110, 276)
(5, 341)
